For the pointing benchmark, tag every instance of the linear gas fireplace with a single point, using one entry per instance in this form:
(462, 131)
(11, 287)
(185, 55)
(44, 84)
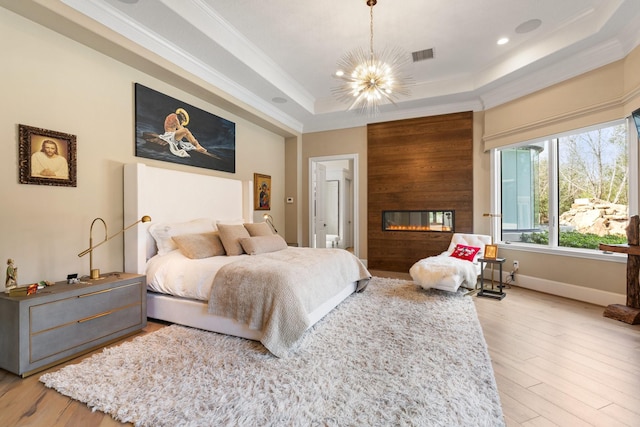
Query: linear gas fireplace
(439, 221)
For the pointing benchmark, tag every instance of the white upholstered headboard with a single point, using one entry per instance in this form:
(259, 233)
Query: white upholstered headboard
(174, 196)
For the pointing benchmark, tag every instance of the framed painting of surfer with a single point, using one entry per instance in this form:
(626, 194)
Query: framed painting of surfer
(170, 130)
(47, 157)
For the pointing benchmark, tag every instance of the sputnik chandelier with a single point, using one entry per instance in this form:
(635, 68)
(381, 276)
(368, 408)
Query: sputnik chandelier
(370, 79)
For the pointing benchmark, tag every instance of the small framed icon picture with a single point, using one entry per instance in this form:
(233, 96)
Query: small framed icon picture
(491, 251)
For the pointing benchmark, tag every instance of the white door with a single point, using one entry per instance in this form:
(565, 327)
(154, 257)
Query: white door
(319, 221)
(350, 207)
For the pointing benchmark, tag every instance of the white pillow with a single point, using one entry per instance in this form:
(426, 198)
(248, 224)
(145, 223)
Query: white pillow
(163, 232)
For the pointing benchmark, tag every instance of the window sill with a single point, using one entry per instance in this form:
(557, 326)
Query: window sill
(568, 252)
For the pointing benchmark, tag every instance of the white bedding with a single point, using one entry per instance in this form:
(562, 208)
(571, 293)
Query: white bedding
(175, 274)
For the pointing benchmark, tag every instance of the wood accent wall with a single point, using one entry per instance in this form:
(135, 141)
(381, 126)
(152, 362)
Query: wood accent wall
(417, 164)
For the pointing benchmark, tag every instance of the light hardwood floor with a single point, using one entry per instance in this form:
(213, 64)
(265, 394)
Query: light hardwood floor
(557, 362)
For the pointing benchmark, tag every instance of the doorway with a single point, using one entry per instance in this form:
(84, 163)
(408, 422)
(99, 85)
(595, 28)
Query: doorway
(333, 207)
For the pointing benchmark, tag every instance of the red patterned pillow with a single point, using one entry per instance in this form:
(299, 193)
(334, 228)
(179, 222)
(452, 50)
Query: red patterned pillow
(465, 252)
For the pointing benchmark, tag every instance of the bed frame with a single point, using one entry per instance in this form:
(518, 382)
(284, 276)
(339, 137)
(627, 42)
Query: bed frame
(174, 196)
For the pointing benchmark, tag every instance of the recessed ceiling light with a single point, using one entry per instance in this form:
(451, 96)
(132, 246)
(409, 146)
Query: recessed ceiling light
(279, 100)
(129, 1)
(503, 40)
(527, 26)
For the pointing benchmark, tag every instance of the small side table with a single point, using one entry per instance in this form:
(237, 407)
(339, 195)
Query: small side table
(490, 293)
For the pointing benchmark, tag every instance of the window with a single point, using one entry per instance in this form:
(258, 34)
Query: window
(570, 190)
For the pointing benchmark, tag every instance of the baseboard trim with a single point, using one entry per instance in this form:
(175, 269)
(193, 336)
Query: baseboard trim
(566, 290)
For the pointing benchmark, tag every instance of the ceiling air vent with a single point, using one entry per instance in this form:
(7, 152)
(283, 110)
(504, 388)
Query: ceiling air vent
(422, 55)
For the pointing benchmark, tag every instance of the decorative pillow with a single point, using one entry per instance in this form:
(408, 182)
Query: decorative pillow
(230, 234)
(465, 252)
(258, 229)
(263, 244)
(233, 221)
(163, 232)
(200, 245)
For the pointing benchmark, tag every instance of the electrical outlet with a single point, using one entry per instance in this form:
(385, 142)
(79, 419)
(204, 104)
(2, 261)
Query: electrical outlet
(516, 265)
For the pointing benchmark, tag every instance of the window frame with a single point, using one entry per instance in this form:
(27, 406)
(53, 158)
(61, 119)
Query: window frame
(552, 247)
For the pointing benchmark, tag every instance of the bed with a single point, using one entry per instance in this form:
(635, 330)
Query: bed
(457, 266)
(191, 283)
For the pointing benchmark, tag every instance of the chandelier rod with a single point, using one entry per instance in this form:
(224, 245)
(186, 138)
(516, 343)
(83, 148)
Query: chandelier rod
(371, 3)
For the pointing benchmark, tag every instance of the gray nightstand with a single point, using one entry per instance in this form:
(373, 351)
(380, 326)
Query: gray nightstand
(63, 321)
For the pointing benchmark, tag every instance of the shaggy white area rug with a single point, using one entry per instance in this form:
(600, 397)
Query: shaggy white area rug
(394, 355)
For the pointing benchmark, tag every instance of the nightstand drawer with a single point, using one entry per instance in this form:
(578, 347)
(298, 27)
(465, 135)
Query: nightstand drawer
(69, 310)
(83, 331)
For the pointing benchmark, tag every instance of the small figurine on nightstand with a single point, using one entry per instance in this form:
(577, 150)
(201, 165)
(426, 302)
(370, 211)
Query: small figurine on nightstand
(12, 276)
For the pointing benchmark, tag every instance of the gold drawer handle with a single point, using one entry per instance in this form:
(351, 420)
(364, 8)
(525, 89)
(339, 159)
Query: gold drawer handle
(95, 293)
(86, 319)
(108, 290)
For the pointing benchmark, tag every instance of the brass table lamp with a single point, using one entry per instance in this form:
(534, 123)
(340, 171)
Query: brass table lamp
(95, 273)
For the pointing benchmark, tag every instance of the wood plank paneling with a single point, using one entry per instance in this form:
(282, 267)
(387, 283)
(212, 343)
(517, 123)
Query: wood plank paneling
(418, 164)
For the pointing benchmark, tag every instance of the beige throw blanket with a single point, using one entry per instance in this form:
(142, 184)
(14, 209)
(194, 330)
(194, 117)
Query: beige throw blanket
(274, 292)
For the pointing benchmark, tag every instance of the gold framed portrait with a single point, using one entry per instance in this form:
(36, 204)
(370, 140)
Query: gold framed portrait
(261, 192)
(46, 157)
(491, 251)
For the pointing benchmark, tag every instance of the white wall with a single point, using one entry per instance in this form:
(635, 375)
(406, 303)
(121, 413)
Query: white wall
(51, 82)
